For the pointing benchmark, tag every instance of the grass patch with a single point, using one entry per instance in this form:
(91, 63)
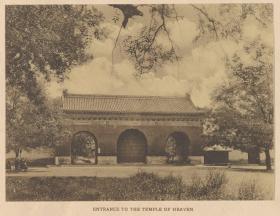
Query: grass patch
(212, 187)
(250, 190)
(142, 186)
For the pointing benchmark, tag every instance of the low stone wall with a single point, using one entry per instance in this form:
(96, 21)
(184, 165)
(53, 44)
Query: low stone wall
(62, 160)
(156, 159)
(195, 160)
(106, 160)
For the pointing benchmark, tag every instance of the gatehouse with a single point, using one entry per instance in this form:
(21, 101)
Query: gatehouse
(111, 129)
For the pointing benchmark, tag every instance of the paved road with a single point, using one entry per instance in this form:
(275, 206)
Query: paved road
(128, 170)
(100, 171)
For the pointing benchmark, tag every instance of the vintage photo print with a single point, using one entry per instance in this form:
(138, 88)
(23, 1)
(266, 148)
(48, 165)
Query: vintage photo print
(139, 101)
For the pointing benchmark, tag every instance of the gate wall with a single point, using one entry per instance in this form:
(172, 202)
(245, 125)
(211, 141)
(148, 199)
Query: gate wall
(107, 137)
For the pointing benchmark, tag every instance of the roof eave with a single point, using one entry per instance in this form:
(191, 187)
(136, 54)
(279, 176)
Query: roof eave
(134, 113)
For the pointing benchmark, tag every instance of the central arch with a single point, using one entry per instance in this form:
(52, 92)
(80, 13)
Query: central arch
(131, 147)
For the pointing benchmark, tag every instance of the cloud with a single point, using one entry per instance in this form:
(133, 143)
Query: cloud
(199, 72)
(203, 70)
(96, 78)
(183, 32)
(253, 29)
(103, 48)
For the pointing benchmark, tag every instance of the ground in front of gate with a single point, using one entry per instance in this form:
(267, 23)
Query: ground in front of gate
(101, 179)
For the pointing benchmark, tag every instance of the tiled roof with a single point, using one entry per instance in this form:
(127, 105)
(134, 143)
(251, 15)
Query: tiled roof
(128, 104)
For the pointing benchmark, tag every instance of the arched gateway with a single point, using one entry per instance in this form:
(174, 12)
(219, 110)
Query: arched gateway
(131, 147)
(130, 129)
(177, 147)
(84, 148)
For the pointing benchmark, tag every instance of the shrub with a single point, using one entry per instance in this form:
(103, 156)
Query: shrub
(250, 190)
(51, 188)
(144, 186)
(211, 187)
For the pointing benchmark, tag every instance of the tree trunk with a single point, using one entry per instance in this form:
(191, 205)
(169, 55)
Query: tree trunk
(267, 158)
(18, 153)
(18, 159)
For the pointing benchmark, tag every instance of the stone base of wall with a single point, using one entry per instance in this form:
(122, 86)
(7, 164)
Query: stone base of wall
(111, 160)
(62, 160)
(196, 159)
(162, 159)
(106, 160)
(156, 159)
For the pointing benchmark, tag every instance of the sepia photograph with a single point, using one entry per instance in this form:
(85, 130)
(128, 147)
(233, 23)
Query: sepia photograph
(139, 102)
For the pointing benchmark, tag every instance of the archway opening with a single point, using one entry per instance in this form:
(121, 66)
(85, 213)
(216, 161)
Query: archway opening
(177, 147)
(84, 148)
(131, 147)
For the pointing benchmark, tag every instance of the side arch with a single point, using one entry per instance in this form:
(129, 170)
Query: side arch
(177, 147)
(84, 147)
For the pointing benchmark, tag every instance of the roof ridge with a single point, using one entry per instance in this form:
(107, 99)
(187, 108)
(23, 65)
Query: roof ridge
(124, 96)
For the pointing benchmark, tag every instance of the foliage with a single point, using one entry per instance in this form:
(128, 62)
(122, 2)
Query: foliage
(244, 105)
(144, 49)
(45, 41)
(128, 11)
(209, 188)
(225, 21)
(29, 125)
(52, 188)
(142, 186)
(249, 190)
(249, 91)
(42, 42)
(215, 22)
(146, 186)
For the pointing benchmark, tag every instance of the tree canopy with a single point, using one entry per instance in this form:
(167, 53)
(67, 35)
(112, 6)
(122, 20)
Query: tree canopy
(215, 22)
(243, 110)
(46, 41)
(43, 42)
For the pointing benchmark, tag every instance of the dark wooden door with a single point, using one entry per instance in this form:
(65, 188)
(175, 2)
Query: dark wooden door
(132, 147)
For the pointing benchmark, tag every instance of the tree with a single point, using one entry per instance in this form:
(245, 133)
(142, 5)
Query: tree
(43, 42)
(47, 41)
(215, 22)
(245, 103)
(128, 11)
(144, 50)
(242, 116)
(28, 125)
(225, 21)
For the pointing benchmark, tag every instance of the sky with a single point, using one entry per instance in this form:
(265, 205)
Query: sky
(200, 70)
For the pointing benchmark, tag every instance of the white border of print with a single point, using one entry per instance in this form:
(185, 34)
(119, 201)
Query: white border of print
(223, 208)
